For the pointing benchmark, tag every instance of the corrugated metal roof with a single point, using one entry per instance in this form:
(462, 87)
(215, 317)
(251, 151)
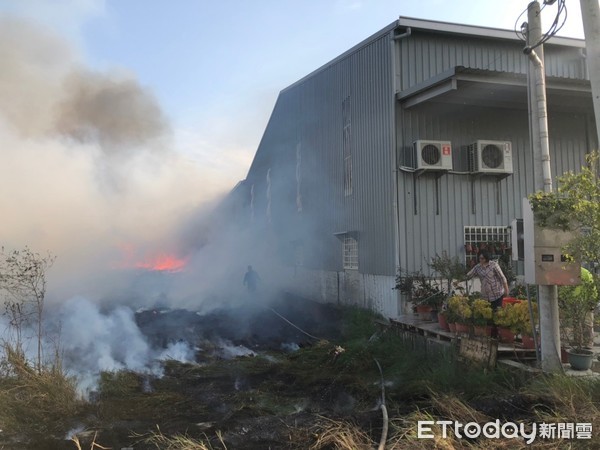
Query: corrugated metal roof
(347, 53)
(441, 27)
(473, 30)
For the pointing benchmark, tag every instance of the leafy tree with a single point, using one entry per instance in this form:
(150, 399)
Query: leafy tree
(583, 192)
(575, 207)
(23, 290)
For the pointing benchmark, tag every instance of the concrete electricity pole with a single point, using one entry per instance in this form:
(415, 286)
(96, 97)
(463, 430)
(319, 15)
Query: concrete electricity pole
(590, 14)
(548, 295)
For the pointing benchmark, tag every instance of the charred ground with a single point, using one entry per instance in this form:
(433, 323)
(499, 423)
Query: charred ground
(309, 393)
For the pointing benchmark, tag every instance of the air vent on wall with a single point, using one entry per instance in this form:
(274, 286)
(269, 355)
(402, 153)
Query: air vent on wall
(433, 155)
(494, 157)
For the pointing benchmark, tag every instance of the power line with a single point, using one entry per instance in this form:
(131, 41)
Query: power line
(559, 20)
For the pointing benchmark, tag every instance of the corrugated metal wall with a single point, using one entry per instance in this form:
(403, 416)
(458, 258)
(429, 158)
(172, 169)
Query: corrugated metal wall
(434, 211)
(308, 121)
(304, 141)
(425, 55)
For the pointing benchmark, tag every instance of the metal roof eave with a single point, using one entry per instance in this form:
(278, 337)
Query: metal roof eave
(473, 30)
(450, 79)
(440, 27)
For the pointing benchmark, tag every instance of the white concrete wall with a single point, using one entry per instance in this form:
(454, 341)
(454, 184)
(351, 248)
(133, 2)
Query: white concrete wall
(350, 287)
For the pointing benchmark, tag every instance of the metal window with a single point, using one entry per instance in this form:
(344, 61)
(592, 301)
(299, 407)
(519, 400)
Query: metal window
(495, 239)
(350, 256)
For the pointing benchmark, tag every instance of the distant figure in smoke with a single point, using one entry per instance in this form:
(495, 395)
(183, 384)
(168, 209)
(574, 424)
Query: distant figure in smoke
(251, 280)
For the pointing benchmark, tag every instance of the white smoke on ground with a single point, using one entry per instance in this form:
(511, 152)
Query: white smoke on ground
(228, 350)
(94, 341)
(178, 351)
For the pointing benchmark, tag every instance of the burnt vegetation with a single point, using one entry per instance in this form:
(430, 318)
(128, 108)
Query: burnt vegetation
(287, 374)
(307, 377)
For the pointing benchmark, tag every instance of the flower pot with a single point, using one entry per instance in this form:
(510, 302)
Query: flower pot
(527, 341)
(505, 335)
(580, 359)
(482, 330)
(424, 312)
(452, 327)
(443, 322)
(564, 355)
(462, 328)
(509, 300)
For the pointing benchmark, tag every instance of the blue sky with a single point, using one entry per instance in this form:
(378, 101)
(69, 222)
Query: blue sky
(204, 75)
(216, 67)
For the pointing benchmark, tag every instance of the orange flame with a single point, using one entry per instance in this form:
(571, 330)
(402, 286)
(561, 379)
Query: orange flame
(163, 262)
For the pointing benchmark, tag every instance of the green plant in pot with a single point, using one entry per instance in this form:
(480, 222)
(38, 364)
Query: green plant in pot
(451, 271)
(504, 318)
(522, 323)
(576, 305)
(421, 291)
(481, 316)
(459, 309)
(575, 207)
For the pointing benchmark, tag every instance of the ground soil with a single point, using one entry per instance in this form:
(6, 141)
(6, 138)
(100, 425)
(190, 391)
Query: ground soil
(273, 398)
(254, 402)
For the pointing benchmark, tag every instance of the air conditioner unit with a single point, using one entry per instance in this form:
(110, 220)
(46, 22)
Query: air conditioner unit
(493, 157)
(433, 155)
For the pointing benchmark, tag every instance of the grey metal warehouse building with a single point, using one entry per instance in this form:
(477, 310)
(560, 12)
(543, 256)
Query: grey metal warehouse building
(413, 143)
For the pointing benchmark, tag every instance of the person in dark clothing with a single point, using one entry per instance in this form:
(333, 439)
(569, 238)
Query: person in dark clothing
(251, 279)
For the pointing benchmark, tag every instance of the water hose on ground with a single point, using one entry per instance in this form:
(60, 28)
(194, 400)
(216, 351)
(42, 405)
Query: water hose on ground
(295, 326)
(384, 430)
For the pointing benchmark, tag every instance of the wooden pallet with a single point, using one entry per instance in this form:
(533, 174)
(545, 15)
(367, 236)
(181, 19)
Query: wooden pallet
(432, 330)
(424, 328)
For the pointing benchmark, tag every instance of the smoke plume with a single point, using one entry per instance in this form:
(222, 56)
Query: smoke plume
(90, 174)
(87, 165)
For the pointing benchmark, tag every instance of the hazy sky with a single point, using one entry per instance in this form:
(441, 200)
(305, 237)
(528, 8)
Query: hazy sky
(119, 119)
(216, 67)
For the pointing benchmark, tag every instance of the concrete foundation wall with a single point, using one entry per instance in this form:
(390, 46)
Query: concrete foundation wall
(350, 287)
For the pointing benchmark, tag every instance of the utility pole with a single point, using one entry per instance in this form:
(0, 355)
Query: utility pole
(548, 295)
(590, 14)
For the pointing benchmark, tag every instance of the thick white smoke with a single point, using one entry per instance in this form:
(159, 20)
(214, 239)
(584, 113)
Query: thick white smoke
(89, 173)
(94, 341)
(87, 165)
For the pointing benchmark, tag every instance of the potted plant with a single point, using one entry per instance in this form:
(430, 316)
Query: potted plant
(482, 316)
(460, 309)
(523, 324)
(575, 207)
(422, 292)
(505, 323)
(575, 306)
(443, 320)
(451, 314)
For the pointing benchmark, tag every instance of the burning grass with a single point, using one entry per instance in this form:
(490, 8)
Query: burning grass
(319, 397)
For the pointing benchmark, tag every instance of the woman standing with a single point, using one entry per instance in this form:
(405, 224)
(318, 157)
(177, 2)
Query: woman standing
(493, 282)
